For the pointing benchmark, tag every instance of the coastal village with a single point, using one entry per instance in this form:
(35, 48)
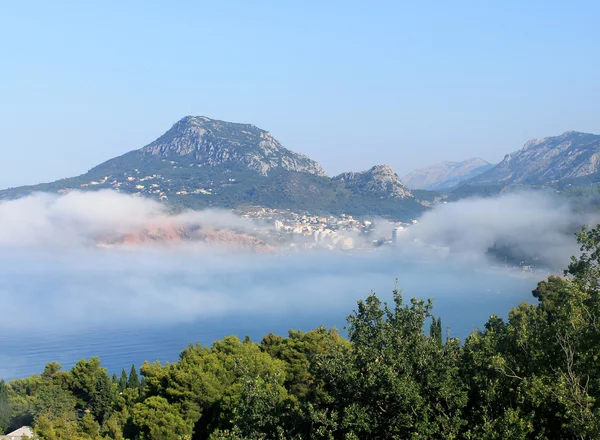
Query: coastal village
(304, 230)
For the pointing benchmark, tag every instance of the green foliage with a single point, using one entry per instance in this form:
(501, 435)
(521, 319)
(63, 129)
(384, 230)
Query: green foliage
(134, 379)
(394, 381)
(5, 407)
(298, 351)
(53, 402)
(84, 376)
(103, 397)
(122, 384)
(156, 418)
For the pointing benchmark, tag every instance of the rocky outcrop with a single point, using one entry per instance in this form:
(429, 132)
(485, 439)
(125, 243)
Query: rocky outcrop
(171, 233)
(380, 181)
(208, 142)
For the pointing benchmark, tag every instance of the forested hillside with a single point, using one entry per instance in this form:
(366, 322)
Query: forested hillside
(397, 375)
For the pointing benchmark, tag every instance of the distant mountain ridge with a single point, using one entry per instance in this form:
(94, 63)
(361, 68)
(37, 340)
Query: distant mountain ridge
(201, 162)
(568, 157)
(445, 175)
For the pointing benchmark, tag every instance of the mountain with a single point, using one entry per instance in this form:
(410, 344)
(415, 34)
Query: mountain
(198, 140)
(201, 162)
(571, 159)
(446, 175)
(380, 181)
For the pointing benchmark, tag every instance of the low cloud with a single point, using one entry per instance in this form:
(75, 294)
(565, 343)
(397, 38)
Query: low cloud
(82, 218)
(52, 269)
(536, 224)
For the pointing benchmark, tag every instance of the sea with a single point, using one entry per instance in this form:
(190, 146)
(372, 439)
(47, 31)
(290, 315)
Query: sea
(128, 308)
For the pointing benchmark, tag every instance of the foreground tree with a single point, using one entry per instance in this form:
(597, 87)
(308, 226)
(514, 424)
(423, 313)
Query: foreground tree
(102, 398)
(156, 419)
(538, 375)
(394, 382)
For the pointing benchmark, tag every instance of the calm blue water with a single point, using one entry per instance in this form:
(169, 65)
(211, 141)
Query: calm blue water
(130, 308)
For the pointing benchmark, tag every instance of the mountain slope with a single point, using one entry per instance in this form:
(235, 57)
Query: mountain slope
(202, 162)
(445, 175)
(209, 142)
(569, 158)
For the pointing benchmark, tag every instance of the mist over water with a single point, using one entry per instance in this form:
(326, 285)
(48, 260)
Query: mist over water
(64, 298)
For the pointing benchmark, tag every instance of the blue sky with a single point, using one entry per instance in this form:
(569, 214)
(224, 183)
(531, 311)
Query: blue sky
(351, 84)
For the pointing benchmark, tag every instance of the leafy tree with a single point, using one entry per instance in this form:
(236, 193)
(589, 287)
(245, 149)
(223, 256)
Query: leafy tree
(537, 376)
(60, 428)
(395, 382)
(299, 350)
(53, 402)
(155, 418)
(84, 376)
(585, 269)
(90, 427)
(206, 383)
(114, 426)
(260, 410)
(50, 370)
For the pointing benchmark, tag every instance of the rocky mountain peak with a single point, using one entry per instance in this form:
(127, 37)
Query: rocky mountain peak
(547, 161)
(202, 141)
(380, 180)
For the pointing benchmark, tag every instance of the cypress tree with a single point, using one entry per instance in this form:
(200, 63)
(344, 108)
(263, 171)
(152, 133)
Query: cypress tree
(4, 407)
(134, 380)
(435, 330)
(123, 380)
(115, 379)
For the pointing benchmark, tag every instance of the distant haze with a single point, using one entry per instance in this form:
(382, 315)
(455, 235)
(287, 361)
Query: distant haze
(347, 83)
(445, 175)
(52, 267)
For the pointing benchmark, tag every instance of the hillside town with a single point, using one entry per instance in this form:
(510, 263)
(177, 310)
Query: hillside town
(305, 230)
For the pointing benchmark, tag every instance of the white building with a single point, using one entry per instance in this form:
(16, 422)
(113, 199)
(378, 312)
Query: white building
(395, 232)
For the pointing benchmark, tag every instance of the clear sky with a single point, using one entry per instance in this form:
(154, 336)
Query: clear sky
(351, 84)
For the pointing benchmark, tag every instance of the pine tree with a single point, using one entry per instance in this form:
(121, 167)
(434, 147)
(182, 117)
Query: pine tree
(115, 379)
(102, 397)
(4, 407)
(123, 380)
(134, 380)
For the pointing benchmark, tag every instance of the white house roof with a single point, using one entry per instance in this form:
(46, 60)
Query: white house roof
(18, 434)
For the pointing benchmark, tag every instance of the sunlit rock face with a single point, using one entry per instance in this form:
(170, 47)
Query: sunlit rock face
(572, 156)
(380, 181)
(210, 142)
